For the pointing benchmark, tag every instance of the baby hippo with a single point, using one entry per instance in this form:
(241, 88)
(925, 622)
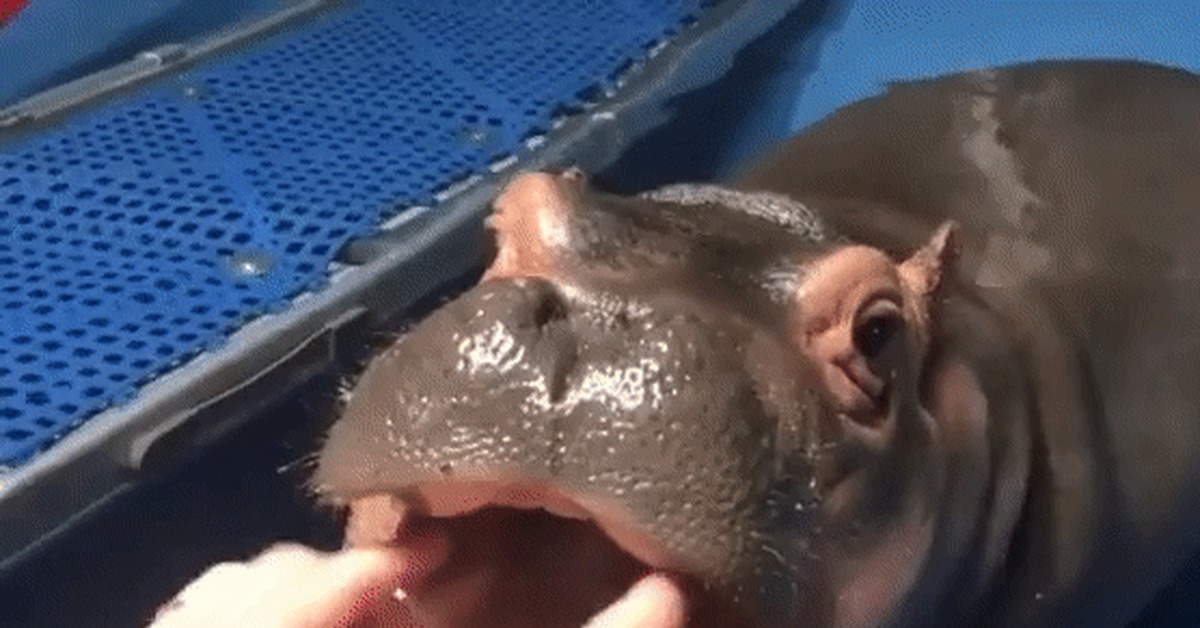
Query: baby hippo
(932, 362)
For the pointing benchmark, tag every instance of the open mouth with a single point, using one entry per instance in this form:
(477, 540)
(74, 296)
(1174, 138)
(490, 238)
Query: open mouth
(523, 555)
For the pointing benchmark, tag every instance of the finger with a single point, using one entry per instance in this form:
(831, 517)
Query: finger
(654, 602)
(298, 587)
(206, 600)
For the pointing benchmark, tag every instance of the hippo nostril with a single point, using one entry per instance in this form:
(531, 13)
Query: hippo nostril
(550, 308)
(532, 304)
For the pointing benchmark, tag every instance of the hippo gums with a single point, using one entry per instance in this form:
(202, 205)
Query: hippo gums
(929, 363)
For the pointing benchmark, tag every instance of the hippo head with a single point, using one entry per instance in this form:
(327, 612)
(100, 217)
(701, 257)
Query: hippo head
(707, 379)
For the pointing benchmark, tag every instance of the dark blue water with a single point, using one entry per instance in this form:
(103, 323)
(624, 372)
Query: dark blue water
(883, 40)
(53, 41)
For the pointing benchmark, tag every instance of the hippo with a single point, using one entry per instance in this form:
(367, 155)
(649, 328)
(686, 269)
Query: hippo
(930, 362)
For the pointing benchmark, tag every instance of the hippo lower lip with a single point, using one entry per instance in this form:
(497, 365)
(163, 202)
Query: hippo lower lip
(525, 544)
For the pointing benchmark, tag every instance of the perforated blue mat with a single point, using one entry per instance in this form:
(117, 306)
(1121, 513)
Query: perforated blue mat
(136, 235)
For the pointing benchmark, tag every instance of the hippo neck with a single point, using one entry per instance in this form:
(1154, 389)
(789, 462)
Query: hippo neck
(979, 539)
(1063, 513)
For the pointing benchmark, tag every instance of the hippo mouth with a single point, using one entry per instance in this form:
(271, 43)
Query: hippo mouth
(571, 451)
(529, 554)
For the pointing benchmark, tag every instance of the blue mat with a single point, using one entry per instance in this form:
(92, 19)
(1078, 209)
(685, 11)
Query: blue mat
(886, 40)
(136, 235)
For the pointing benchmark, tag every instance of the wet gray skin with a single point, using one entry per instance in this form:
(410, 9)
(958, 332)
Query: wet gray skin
(1037, 469)
(621, 383)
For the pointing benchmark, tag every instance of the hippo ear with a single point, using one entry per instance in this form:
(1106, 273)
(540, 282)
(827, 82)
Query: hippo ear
(924, 272)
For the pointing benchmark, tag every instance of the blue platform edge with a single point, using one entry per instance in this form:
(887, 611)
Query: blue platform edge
(138, 234)
(883, 41)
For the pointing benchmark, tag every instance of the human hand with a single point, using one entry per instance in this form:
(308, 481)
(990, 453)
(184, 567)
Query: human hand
(294, 586)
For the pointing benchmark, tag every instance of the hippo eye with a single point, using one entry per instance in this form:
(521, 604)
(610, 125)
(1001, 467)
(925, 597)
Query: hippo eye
(876, 327)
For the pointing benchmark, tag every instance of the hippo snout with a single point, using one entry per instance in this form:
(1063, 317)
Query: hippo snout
(674, 430)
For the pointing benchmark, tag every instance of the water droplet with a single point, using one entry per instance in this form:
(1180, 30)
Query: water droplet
(194, 91)
(248, 264)
(474, 135)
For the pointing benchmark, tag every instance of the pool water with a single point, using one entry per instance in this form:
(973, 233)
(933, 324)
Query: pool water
(53, 41)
